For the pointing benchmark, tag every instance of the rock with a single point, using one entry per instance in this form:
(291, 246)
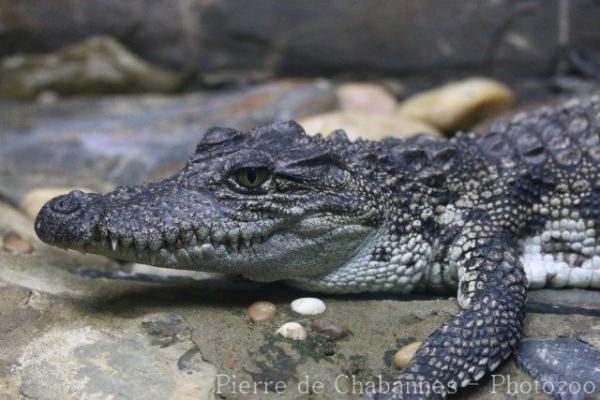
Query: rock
(20, 322)
(34, 200)
(365, 97)
(575, 298)
(87, 362)
(100, 143)
(97, 65)
(308, 306)
(366, 125)
(565, 367)
(330, 329)
(591, 338)
(292, 330)
(261, 311)
(405, 354)
(586, 51)
(165, 330)
(15, 244)
(224, 41)
(53, 271)
(458, 105)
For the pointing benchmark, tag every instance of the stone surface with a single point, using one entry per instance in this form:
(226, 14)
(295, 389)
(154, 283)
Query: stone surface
(97, 65)
(458, 105)
(366, 125)
(330, 329)
(225, 40)
(365, 97)
(580, 32)
(15, 244)
(565, 367)
(85, 362)
(97, 143)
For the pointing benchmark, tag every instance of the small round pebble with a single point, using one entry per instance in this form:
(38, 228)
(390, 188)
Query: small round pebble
(403, 356)
(261, 311)
(308, 306)
(15, 244)
(330, 329)
(292, 330)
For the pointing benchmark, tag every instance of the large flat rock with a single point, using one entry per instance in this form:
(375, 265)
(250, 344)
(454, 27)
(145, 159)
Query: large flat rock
(566, 368)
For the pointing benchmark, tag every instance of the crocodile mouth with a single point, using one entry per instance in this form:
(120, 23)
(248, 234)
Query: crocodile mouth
(189, 249)
(270, 252)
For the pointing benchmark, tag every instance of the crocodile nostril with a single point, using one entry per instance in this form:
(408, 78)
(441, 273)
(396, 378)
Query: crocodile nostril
(65, 204)
(77, 194)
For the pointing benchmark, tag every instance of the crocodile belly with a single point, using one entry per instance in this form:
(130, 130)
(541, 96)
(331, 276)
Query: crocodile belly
(565, 253)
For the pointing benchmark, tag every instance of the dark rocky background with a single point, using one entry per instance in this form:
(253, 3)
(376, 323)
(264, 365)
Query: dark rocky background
(227, 41)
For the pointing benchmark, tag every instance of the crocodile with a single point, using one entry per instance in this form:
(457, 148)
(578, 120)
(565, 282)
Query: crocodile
(486, 215)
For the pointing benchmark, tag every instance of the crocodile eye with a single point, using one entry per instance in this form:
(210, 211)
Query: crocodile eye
(252, 177)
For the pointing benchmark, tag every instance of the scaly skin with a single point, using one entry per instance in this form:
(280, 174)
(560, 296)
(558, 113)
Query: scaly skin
(331, 215)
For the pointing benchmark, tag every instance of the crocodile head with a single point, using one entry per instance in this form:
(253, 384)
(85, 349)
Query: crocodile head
(270, 204)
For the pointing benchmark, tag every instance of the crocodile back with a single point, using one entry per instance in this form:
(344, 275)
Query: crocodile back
(566, 137)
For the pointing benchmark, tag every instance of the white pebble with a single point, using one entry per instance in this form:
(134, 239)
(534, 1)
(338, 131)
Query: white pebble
(308, 306)
(292, 330)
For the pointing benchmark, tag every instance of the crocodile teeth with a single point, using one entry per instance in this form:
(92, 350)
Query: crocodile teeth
(183, 257)
(207, 251)
(171, 237)
(102, 233)
(200, 236)
(155, 245)
(218, 236)
(235, 241)
(140, 242)
(186, 236)
(139, 245)
(245, 239)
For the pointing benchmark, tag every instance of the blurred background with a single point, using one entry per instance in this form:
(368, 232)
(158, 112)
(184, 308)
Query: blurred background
(223, 42)
(99, 93)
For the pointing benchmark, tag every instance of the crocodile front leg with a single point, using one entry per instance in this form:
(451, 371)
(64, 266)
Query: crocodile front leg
(492, 294)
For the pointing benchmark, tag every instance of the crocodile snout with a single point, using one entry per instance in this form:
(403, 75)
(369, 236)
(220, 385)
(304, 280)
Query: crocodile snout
(68, 220)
